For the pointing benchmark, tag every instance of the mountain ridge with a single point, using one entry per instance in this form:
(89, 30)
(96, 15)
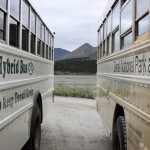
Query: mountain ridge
(59, 53)
(82, 51)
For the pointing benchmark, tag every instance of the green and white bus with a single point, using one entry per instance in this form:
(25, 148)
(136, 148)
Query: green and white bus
(123, 73)
(26, 75)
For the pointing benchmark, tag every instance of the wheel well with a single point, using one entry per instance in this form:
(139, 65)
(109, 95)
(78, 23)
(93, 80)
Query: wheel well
(119, 111)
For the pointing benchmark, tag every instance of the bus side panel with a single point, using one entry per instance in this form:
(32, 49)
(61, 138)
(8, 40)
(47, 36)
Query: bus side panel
(16, 133)
(138, 128)
(20, 78)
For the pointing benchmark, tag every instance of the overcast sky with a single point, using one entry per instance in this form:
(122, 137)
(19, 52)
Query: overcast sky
(75, 22)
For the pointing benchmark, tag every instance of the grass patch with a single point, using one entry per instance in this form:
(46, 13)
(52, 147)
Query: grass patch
(73, 92)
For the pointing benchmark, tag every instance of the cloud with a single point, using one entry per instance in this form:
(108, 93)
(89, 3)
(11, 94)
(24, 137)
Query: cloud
(75, 22)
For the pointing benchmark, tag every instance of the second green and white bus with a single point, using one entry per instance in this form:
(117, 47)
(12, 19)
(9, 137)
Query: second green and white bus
(26, 75)
(123, 73)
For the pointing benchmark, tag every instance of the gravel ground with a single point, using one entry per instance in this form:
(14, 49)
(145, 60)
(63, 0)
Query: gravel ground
(81, 81)
(74, 124)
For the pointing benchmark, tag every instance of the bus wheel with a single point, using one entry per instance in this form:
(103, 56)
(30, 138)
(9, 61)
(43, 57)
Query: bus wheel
(119, 136)
(37, 131)
(34, 141)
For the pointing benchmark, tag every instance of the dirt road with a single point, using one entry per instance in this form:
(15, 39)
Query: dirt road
(74, 124)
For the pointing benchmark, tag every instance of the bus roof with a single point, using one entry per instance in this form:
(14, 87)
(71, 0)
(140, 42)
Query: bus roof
(37, 14)
(107, 9)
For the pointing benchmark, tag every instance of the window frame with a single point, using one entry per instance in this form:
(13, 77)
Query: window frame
(4, 26)
(137, 38)
(14, 28)
(18, 31)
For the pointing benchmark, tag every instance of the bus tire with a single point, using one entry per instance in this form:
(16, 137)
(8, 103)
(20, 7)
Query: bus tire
(119, 136)
(34, 141)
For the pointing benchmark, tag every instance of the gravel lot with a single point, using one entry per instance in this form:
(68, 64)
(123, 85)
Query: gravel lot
(82, 81)
(74, 124)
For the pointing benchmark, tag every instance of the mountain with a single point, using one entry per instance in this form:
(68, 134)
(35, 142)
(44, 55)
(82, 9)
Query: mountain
(85, 50)
(59, 53)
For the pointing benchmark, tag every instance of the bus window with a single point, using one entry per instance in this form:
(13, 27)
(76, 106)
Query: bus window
(32, 46)
(25, 27)
(143, 26)
(2, 25)
(126, 17)
(109, 45)
(25, 15)
(24, 39)
(33, 31)
(116, 41)
(43, 40)
(4, 3)
(39, 26)
(142, 17)
(14, 23)
(109, 34)
(46, 42)
(139, 7)
(14, 9)
(127, 40)
(13, 33)
(109, 24)
(50, 55)
(115, 17)
(100, 51)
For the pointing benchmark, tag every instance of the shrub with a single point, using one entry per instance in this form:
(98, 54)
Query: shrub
(73, 92)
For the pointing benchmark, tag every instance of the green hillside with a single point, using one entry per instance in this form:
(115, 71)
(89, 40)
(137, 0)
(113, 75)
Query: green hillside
(77, 65)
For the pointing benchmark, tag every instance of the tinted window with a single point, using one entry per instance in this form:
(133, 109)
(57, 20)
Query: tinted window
(127, 40)
(115, 17)
(143, 25)
(126, 17)
(109, 45)
(104, 46)
(50, 53)
(2, 25)
(116, 41)
(24, 39)
(109, 24)
(43, 50)
(13, 33)
(141, 7)
(38, 46)
(14, 8)
(33, 29)
(100, 50)
(47, 51)
(32, 48)
(3, 3)
(25, 15)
